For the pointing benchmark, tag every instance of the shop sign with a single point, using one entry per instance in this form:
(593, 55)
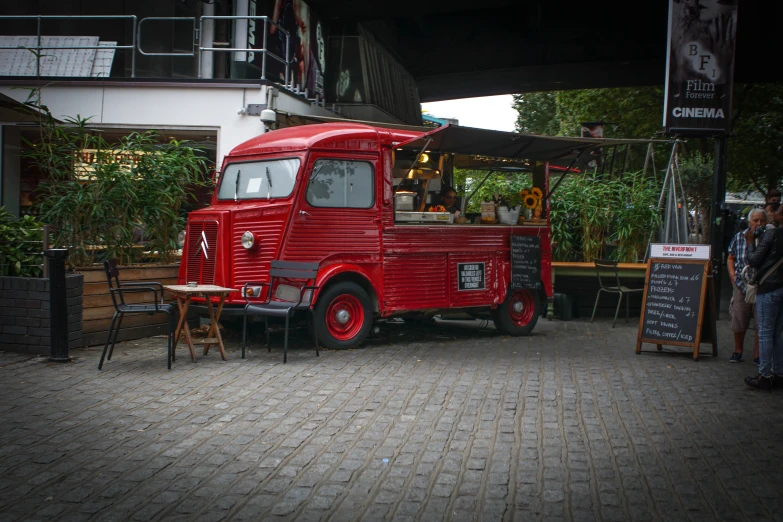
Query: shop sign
(658, 250)
(86, 159)
(471, 276)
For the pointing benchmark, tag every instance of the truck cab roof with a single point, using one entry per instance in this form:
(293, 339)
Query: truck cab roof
(354, 137)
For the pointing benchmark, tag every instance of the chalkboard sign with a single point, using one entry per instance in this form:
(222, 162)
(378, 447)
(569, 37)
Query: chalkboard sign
(673, 308)
(525, 262)
(471, 276)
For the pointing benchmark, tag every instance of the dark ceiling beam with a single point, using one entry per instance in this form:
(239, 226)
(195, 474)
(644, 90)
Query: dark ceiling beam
(364, 10)
(558, 77)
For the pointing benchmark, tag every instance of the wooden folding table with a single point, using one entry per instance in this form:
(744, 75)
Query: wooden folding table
(184, 294)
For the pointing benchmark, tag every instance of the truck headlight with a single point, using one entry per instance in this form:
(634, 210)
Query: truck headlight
(248, 240)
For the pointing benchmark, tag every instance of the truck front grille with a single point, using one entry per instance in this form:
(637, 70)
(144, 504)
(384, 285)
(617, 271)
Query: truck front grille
(202, 249)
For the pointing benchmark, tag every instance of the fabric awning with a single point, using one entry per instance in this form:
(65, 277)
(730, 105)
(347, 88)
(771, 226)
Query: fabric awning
(497, 144)
(12, 111)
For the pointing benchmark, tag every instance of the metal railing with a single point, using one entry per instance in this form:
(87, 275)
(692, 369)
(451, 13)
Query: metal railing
(285, 61)
(166, 18)
(136, 44)
(40, 47)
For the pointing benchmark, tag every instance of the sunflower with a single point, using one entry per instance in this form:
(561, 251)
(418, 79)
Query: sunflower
(524, 192)
(531, 201)
(537, 192)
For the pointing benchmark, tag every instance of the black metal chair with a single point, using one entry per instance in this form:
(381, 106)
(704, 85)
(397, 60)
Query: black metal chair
(118, 292)
(281, 306)
(608, 270)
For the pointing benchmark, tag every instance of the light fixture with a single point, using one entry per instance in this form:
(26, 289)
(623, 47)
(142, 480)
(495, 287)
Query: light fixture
(248, 240)
(424, 158)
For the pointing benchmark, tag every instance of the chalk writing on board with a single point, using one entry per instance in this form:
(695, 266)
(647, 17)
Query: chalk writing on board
(671, 309)
(525, 262)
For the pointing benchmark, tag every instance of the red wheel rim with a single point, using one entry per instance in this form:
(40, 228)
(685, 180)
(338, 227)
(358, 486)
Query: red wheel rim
(521, 307)
(344, 317)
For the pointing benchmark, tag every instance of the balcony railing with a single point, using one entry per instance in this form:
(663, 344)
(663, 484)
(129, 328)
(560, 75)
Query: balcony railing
(46, 50)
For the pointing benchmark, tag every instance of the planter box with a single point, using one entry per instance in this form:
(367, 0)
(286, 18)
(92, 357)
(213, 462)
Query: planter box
(24, 313)
(98, 309)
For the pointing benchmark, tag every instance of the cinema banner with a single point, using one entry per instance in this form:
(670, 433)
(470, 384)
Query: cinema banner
(700, 66)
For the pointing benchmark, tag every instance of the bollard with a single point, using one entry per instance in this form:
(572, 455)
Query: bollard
(58, 309)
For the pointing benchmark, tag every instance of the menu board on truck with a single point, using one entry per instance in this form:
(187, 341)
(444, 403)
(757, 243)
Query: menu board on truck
(525, 262)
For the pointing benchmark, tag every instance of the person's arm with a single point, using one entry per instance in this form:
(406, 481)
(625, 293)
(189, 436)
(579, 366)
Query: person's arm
(730, 266)
(758, 253)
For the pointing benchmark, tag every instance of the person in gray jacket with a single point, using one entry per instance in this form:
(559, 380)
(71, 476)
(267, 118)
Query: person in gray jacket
(769, 303)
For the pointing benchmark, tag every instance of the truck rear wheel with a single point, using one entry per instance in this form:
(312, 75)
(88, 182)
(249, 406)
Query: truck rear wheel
(343, 316)
(518, 314)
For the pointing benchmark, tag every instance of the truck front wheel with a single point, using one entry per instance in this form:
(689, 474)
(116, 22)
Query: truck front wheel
(343, 316)
(518, 314)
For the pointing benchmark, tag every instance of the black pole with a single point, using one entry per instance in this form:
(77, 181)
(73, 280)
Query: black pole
(718, 198)
(58, 305)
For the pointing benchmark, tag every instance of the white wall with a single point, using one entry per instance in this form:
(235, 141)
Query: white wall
(177, 107)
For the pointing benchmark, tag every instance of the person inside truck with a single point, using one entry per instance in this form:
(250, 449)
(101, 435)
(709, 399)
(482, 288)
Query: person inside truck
(448, 198)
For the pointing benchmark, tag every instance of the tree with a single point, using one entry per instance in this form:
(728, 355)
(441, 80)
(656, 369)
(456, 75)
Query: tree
(629, 112)
(696, 172)
(537, 113)
(756, 147)
(755, 158)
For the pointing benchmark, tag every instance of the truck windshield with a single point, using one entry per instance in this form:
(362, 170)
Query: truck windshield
(259, 179)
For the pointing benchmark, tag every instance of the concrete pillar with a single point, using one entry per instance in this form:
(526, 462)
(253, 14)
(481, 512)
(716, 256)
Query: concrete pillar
(207, 40)
(240, 30)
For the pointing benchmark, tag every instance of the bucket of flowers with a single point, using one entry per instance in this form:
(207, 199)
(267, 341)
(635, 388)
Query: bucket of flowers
(532, 199)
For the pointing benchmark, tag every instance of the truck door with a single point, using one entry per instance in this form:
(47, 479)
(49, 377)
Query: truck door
(337, 210)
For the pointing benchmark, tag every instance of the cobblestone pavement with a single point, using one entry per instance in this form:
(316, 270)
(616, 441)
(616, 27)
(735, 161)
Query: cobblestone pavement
(445, 421)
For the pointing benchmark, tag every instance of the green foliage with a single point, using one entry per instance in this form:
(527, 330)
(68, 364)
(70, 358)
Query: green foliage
(755, 154)
(135, 187)
(755, 159)
(20, 245)
(635, 216)
(629, 112)
(696, 173)
(507, 185)
(587, 211)
(537, 113)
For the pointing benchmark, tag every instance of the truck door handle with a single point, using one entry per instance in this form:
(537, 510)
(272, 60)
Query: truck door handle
(303, 213)
(376, 220)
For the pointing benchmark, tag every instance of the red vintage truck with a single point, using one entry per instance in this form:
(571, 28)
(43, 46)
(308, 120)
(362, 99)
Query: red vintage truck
(327, 193)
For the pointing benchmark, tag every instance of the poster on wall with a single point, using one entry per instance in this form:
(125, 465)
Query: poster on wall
(594, 129)
(700, 66)
(347, 84)
(306, 47)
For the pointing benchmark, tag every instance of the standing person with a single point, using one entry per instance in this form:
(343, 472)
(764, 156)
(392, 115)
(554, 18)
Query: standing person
(764, 258)
(739, 310)
(773, 196)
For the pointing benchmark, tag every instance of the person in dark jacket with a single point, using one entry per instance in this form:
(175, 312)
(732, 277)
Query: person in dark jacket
(769, 303)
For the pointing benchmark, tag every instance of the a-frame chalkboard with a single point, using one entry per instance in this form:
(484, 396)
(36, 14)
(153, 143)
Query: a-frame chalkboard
(678, 307)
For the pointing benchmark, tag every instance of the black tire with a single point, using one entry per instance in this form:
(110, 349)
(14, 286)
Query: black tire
(518, 314)
(343, 316)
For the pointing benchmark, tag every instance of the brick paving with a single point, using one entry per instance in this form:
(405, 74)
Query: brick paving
(449, 422)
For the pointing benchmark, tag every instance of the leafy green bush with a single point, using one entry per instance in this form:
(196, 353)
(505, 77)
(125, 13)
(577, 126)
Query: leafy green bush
(587, 211)
(507, 185)
(100, 198)
(20, 245)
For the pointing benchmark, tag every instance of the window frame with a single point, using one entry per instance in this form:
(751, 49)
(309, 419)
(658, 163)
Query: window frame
(373, 187)
(245, 162)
